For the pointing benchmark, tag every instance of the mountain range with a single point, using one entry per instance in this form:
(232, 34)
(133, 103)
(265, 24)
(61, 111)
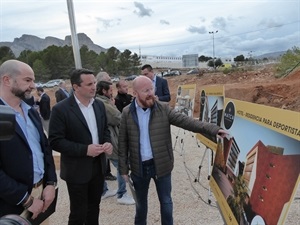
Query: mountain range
(34, 43)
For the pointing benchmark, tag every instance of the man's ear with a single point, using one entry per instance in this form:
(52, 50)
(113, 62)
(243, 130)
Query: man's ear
(6, 80)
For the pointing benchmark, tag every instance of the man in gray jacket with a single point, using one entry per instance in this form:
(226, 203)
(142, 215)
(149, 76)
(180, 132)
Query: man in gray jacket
(145, 144)
(104, 93)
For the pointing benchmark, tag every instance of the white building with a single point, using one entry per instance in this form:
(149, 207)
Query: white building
(170, 62)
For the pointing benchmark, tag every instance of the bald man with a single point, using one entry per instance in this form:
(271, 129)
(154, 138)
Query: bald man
(145, 146)
(27, 170)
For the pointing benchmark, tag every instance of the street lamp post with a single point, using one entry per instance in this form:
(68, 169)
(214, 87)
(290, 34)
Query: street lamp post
(213, 34)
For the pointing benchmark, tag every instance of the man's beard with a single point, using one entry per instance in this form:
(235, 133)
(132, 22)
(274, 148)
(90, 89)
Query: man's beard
(148, 102)
(21, 94)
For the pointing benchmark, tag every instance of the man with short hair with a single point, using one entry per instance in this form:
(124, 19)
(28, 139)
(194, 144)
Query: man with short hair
(145, 146)
(78, 130)
(105, 94)
(103, 76)
(62, 92)
(123, 98)
(162, 92)
(44, 107)
(27, 170)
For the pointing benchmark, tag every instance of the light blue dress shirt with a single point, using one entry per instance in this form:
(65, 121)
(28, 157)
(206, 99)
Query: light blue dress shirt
(145, 145)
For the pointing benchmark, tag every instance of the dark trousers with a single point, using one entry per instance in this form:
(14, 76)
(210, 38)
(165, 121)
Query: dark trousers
(163, 188)
(85, 199)
(108, 170)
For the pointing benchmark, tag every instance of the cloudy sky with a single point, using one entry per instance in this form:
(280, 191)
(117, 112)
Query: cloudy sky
(162, 27)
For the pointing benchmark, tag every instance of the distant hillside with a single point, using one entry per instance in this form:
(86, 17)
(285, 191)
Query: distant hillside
(272, 55)
(34, 43)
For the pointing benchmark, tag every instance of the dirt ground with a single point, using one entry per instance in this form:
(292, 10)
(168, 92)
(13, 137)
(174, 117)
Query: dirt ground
(257, 85)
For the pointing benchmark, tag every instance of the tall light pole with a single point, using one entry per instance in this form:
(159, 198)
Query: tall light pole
(213, 34)
(74, 36)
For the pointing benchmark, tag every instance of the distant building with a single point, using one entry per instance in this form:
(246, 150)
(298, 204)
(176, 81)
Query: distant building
(177, 62)
(162, 61)
(190, 61)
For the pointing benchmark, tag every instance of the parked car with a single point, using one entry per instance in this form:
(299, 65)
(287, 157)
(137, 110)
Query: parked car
(115, 79)
(193, 71)
(171, 73)
(131, 77)
(51, 83)
(38, 84)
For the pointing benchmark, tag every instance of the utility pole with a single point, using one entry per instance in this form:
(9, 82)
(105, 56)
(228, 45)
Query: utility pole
(74, 36)
(213, 34)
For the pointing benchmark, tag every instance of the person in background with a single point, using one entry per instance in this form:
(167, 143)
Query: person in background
(123, 98)
(78, 130)
(145, 144)
(162, 92)
(44, 107)
(27, 170)
(103, 76)
(62, 92)
(105, 94)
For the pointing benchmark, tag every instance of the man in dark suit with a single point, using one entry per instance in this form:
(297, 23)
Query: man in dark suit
(62, 92)
(27, 170)
(161, 85)
(78, 130)
(44, 107)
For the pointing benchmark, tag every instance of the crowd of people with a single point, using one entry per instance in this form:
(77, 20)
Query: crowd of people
(91, 129)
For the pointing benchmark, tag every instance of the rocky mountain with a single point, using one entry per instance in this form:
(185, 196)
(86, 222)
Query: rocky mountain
(34, 43)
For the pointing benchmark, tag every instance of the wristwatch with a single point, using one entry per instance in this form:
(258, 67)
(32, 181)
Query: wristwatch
(53, 183)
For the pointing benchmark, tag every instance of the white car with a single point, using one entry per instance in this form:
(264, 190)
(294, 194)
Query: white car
(51, 83)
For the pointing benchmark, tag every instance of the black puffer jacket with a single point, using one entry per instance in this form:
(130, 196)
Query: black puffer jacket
(161, 118)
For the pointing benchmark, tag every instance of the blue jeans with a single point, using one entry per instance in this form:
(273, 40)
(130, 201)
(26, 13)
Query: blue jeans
(121, 182)
(163, 188)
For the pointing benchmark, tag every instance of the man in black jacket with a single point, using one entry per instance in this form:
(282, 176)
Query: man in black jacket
(78, 130)
(27, 170)
(44, 107)
(123, 98)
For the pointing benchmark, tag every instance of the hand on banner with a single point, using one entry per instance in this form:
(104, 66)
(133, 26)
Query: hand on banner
(222, 133)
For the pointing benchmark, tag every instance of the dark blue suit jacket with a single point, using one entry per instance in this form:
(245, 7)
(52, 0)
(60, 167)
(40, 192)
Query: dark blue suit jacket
(16, 166)
(162, 89)
(60, 95)
(69, 134)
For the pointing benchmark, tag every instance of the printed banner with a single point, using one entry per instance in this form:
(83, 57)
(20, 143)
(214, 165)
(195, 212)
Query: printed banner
(185, 99)
(256, 169)
(211, 110)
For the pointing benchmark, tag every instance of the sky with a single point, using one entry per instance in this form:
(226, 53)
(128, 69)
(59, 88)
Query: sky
(223, 28)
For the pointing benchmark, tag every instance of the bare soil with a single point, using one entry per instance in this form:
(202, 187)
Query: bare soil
(257, 85)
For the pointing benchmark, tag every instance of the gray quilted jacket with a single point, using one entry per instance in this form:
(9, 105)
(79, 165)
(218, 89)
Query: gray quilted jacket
(113, 116)
(162, 116)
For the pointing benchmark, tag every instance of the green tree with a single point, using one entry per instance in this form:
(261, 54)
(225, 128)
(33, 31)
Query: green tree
(288, 62)
(237, 200)
(218, 62)
(59, 61)
(89, 58)
(5, 54)
(239, 58)
(24, 56)
(42, 73)
(203, 58)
